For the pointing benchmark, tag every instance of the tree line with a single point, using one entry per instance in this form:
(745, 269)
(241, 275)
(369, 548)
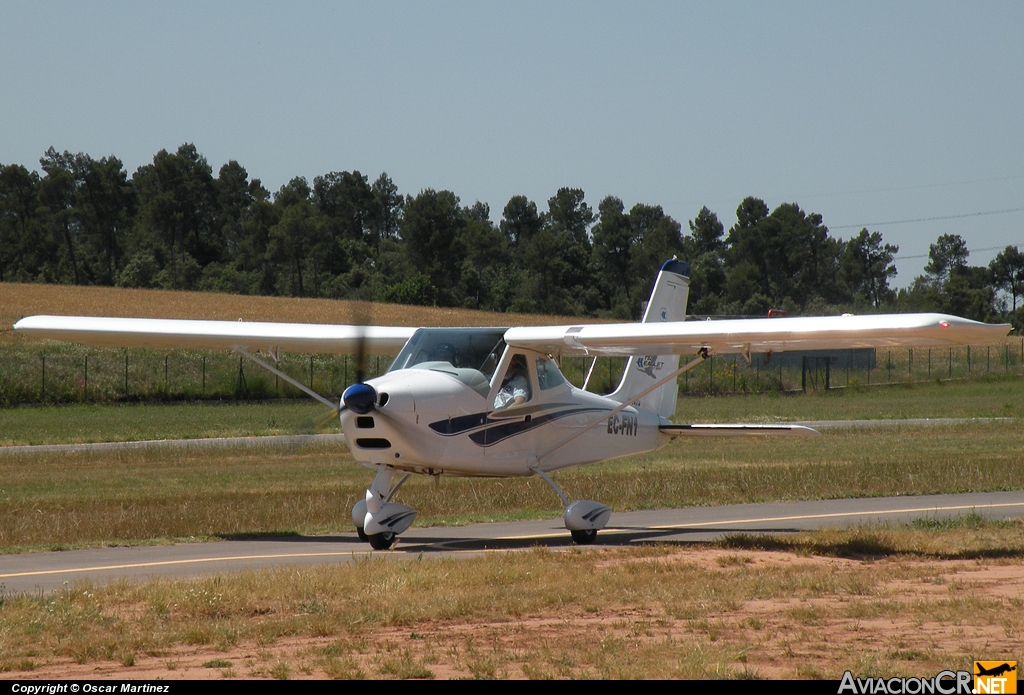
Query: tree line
(173, 224)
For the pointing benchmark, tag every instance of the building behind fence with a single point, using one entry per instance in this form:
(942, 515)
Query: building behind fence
(70, 373)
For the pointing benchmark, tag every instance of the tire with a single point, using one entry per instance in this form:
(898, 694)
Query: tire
(362, 534)
(381, 541)
(584, 537)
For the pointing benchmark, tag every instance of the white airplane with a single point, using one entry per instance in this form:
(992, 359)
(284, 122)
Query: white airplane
(492, 401)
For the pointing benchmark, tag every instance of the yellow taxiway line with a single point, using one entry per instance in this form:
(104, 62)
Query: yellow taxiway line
(352, 553)
(836, 515)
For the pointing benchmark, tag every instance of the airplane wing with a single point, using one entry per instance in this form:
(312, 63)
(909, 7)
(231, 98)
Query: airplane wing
(745, 336)
(216, 335)
(742, 336)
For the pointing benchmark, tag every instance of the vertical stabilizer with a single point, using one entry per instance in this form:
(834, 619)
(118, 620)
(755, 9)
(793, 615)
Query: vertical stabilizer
(667, 303)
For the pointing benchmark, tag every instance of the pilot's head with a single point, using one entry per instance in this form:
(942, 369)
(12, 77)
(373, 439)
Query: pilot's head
(445, 352)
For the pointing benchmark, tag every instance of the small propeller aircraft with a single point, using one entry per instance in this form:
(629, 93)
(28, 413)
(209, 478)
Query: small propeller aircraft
(493, 402)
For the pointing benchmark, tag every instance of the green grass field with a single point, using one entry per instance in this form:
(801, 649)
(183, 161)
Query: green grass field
(57, 500)
(62, 499)
(71, 424)
(125, 422)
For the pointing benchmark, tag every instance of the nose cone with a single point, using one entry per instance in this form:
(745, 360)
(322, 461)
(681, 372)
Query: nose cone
(359, 398)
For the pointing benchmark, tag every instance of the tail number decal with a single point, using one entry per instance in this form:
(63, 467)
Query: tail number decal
(623, 423)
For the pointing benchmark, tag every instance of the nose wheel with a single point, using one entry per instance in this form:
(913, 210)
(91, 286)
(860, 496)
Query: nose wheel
(584, 536)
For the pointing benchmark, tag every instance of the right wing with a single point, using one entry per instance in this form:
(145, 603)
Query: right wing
(217, 335)
(745, 336)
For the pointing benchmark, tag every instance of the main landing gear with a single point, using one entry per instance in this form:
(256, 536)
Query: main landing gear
(377, 519)
(583, 518)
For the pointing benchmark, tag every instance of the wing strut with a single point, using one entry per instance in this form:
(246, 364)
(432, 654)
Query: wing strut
(702, 355)
(277, 372)
(589, 372)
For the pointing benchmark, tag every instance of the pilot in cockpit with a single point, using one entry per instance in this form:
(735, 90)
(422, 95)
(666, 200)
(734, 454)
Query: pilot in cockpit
(446, 352)
(515, 388)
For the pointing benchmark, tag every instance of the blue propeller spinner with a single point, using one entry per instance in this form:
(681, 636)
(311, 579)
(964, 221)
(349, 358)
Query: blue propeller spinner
(359, 398)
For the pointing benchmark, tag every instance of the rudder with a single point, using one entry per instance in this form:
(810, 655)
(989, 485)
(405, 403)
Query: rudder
(667, 303)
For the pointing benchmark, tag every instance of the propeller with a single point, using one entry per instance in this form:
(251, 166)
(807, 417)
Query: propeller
(360, 397)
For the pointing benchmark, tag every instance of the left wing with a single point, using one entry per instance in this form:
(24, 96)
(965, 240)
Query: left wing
(745, 336)
(217, 335)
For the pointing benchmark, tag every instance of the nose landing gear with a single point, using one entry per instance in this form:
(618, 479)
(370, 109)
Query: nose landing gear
(377, 519)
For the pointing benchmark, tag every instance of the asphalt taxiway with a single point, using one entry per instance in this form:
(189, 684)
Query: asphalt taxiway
(47, 571)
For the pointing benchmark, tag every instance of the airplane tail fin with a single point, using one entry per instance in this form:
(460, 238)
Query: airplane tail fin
(667, 303)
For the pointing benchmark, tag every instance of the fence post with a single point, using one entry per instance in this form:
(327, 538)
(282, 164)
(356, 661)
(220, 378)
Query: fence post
(42, 383)
(167, 381)
(968, 359)
(711, 374)
(988, 358)
(126, 374)
(803, 373)
(888, 366)
(310, 372)
(929, 364)
(85, 388)
(204, 375)
(950, 363)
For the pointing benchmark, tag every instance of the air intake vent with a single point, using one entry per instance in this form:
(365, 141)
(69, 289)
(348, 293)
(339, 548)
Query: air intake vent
(373, 443)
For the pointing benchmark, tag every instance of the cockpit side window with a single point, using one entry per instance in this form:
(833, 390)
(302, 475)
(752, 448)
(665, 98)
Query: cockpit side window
(548, 374)
(515, 386)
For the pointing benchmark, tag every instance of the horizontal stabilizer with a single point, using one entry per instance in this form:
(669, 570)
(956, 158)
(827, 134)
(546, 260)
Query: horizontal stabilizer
(738, 430)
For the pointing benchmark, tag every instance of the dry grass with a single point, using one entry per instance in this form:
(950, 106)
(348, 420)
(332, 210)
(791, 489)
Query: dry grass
(18, 300)
(690, 612)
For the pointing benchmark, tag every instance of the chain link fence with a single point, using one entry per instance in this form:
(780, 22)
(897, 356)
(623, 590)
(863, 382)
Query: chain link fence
(77, 374)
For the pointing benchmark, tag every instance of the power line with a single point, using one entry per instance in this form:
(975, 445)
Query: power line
(970, 251)
(928, 219)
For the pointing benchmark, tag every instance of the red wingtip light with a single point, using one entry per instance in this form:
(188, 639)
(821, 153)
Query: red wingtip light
(944, 324)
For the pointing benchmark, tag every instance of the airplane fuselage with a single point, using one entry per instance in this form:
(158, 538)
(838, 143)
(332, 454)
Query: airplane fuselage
(429, 422)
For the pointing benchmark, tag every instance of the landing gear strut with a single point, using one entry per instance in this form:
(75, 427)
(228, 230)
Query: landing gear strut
(583, 518)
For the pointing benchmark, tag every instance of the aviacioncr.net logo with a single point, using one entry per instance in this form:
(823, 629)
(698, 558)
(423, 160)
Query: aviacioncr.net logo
(943, 683)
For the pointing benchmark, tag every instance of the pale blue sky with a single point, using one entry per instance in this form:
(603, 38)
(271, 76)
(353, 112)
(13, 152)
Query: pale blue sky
(863, 112)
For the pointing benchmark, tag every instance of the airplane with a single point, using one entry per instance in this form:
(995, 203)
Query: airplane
(492, 402)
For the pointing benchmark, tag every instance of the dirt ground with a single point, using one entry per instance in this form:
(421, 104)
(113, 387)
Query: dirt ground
(912, 627)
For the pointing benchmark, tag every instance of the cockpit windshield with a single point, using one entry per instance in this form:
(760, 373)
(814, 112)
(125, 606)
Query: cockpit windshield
(469, 354)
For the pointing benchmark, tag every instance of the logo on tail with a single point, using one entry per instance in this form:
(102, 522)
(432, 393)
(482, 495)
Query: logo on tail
(648, 365)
